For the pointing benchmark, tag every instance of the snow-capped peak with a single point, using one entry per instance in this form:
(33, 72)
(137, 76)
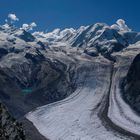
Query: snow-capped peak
(55, 35)
(99, 36)
(67, 31)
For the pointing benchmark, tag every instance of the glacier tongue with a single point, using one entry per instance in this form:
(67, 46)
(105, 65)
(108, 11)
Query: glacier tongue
(77, 117)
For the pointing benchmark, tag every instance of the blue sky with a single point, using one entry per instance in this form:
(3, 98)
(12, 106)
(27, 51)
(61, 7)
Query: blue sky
(50, 14)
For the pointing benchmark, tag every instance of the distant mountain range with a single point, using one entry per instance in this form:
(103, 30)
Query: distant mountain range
(72, 84)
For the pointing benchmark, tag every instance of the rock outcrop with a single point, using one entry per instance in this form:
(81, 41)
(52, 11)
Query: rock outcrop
(10, 129)
(131, 85)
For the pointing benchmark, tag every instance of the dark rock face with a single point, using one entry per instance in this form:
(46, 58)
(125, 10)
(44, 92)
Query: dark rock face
(3, 52)
(91, 52)
(31, 132)
(132, 85)
(27, 37)
(9, 128)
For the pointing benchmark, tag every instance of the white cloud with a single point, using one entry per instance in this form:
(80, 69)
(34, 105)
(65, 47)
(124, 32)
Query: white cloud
(13, 17)
(120, 25)
(28, 27)
(25, 26)
(6, 26)
(33, 24)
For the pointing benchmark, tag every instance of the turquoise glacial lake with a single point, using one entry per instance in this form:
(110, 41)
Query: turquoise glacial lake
(27, 91)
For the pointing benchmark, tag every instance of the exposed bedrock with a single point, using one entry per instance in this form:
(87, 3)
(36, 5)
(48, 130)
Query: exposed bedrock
(131, 85)
(10, 129)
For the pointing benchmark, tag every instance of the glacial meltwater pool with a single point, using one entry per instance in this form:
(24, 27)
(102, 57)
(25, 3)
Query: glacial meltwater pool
(27, 91)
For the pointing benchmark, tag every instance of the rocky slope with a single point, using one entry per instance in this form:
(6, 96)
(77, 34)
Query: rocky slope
(131, 85)
(9, 128)
(30, 76)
